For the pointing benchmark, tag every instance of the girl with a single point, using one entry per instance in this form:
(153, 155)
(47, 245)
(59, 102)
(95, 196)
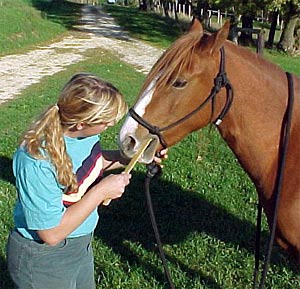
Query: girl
(57, 169)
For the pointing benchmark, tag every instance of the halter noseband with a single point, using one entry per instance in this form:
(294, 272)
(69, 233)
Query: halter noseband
(220, 81)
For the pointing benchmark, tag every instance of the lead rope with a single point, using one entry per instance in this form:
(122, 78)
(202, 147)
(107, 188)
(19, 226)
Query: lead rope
(283, 148)
(152, 170)
(257, 244)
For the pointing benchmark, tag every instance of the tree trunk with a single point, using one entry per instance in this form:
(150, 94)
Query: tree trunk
(287, 39)
(273, 28)
(297, 38)
(165, 7)
(143, 5)
(175, 10)
(203, 17)
(151, 5)
(233, 32)
(246, 37)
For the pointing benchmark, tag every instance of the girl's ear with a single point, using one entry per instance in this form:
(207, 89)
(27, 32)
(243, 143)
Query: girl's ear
(80, 126)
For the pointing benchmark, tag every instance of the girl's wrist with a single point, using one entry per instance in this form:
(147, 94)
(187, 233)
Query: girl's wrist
(96, 195)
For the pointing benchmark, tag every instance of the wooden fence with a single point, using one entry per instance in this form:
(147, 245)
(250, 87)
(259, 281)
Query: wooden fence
(182, 8)
(89, 2)
(173, 8)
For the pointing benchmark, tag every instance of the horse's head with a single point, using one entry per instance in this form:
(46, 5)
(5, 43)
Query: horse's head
(177, 85)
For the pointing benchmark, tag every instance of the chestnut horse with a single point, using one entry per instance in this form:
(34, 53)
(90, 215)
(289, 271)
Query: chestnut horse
(182, 94)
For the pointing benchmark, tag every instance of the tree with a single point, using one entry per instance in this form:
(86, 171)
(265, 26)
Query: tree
(289, 10)
(274, 16)
(247, 9)
(201, 11)
(143, 5)
(248, 15)
(291, 17)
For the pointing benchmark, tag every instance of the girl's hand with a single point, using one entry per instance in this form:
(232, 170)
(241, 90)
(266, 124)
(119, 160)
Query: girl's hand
(163, 154)
(113, 186)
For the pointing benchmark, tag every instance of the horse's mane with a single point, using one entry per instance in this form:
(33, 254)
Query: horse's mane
(176, 58)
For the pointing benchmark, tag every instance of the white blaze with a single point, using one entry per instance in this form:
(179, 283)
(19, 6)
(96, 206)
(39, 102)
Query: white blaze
(130, 125)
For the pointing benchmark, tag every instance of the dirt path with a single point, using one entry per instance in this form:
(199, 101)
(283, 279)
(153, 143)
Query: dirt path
(98, 30)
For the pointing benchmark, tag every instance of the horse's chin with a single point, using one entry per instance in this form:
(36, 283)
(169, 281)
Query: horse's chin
(149, 153)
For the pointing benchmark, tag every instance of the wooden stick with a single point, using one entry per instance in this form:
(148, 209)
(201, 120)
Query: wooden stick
(132, 162)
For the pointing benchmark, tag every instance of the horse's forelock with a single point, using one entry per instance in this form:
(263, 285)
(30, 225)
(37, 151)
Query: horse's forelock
(176, 59)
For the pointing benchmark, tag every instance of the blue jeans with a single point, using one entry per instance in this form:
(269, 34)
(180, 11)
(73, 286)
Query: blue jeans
(34, 265)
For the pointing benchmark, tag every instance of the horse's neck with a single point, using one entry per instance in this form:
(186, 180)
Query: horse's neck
(253, 124)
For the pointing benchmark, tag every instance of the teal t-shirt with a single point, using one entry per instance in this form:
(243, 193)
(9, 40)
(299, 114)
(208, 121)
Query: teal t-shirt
(40, 203)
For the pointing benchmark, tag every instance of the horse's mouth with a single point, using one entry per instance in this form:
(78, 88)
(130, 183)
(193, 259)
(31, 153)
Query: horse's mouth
(128, 150)
(150, 151)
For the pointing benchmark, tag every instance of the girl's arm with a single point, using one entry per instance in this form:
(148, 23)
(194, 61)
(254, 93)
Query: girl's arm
(110, 187)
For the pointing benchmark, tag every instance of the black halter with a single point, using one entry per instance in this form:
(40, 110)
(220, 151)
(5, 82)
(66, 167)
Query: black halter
(220, 81)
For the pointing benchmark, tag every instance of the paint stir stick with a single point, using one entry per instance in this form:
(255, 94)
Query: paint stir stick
(132, 162)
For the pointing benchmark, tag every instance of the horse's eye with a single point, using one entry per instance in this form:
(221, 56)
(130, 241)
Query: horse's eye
(179, 83)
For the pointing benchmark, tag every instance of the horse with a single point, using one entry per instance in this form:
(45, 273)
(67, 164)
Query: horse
(202, 79)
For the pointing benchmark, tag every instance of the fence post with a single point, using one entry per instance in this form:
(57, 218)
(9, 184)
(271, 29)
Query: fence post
(260, 42)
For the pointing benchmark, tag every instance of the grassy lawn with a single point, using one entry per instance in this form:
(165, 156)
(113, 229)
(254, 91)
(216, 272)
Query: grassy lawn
(26, 23)
(205, 204)
(140, 25)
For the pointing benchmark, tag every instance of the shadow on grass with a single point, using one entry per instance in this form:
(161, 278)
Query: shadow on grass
(6, 172)
(179, 213)
(5, 280)
(62, 12)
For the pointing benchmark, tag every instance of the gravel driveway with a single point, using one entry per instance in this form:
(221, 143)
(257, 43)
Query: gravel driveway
(98, 30)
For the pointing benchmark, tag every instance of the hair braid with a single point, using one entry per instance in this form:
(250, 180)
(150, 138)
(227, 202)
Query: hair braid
(44, 140)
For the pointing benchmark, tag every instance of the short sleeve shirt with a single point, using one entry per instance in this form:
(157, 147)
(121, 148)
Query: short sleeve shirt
(40, 203)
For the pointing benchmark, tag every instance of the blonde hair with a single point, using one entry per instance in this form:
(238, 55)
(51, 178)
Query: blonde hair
(84, 99)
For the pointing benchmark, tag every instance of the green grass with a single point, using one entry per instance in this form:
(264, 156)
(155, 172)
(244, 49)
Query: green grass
(286, 62)
(149, 27)
(25, 23)
(205, 204)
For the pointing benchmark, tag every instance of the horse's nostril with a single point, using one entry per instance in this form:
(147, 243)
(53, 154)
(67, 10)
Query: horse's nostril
(128, 145)
(131, 143)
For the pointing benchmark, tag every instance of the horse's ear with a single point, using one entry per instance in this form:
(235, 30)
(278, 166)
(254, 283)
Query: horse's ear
(219, 38)
(196, 26)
